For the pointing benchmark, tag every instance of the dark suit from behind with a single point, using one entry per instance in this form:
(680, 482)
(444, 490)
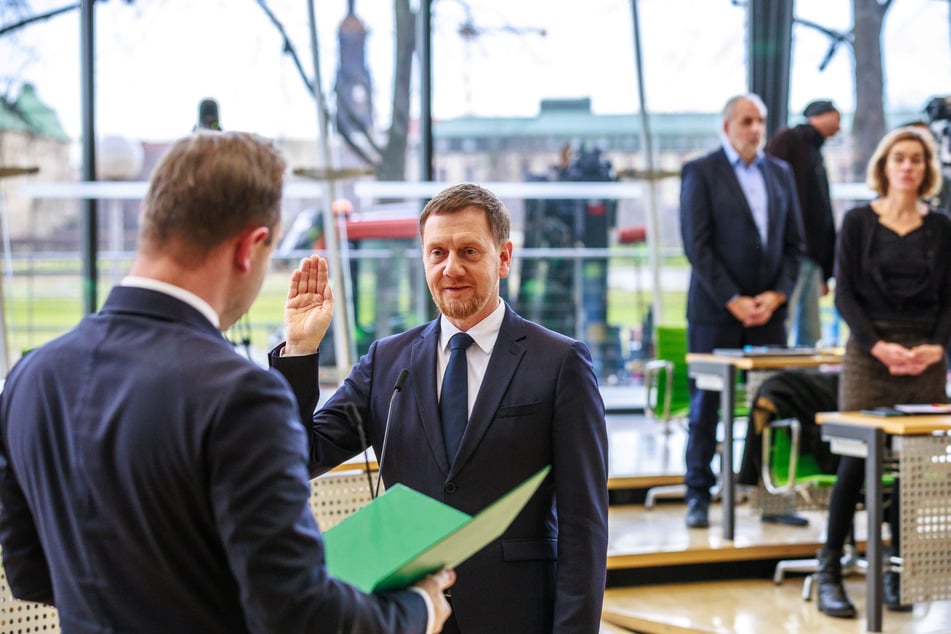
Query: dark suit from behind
(160, 485)
(728, 259)
(538, 404)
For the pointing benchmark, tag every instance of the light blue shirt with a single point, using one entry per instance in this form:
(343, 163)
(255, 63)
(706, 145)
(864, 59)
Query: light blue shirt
(753, 184)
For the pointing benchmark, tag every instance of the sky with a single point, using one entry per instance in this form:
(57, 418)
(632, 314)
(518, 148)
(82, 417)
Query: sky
(158, 58)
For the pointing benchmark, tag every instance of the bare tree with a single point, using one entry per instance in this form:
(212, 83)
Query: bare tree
(392, 165)
(868, 126)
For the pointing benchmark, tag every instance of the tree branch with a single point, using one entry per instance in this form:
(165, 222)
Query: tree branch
(10, 28)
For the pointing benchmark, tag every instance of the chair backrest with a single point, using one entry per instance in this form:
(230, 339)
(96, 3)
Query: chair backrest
(785, 455)
(670, 344)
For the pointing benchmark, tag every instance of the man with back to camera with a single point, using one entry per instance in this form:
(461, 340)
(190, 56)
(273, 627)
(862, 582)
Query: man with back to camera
(801, 147)
(739, 219)
(531, 399)
(152, 479)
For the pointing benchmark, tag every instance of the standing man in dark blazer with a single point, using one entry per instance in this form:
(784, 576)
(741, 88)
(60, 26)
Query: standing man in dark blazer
(532, 400)
(739, 218)
(801, 147)
(151, 479)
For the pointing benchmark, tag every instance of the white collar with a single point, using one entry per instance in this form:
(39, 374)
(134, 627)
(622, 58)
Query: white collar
(483, 333)
(177, 292)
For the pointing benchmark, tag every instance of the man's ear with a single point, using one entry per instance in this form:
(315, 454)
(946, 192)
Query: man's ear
(505, 259)
(246, 243)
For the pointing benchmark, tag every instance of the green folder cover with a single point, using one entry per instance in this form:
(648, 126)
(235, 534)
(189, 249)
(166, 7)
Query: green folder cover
(404, 535)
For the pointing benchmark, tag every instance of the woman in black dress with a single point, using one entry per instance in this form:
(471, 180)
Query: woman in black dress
(893, 289)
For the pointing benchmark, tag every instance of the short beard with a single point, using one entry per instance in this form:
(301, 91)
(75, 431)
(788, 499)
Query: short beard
(458, 309)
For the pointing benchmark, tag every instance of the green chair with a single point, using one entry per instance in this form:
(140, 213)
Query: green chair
(667, 384)
(787, 470)
(665, 377)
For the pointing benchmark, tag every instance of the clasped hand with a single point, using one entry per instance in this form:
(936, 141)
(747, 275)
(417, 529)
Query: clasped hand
(756, 310)
(906, 361)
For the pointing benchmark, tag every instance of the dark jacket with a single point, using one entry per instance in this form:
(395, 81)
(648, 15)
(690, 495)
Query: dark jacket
(722, 242)
(153, 480)
(801, 147)
(539, 404)
(861, 296)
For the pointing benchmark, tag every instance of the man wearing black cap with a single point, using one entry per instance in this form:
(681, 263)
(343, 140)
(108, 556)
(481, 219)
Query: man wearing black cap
(801, 147)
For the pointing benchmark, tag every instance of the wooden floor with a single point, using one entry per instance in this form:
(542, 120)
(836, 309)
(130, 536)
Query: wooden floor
(641, 538)
(754, 606)
(666, 578)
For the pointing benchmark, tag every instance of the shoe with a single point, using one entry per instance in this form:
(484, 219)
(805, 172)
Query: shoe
(698, 514)
(789, 519)
(833, 601)
(892, 593)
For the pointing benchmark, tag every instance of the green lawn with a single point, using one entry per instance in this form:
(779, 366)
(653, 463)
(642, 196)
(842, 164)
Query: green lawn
(45, 300)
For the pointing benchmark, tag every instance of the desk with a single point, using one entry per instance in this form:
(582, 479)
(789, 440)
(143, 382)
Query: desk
(869, 432)
(717, 373)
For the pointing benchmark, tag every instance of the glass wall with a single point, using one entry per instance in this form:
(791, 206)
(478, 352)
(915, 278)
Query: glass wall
(524, 95)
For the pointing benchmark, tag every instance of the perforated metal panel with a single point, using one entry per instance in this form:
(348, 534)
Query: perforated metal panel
(925, 472)
(336, 495)
(24, 617)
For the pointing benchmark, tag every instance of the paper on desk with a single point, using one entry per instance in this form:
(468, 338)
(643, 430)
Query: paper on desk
(924, 408)
(404, 535)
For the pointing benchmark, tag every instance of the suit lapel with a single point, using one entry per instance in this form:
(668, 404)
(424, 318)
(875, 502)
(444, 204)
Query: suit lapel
(506, 357)
(423, 368)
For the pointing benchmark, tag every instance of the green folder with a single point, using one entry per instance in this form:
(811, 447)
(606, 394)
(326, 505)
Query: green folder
(404, 535)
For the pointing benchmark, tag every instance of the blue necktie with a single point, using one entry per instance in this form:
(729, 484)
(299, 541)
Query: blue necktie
(454, 401)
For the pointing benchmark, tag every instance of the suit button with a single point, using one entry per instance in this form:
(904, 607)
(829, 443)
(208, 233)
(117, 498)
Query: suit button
(450, 487)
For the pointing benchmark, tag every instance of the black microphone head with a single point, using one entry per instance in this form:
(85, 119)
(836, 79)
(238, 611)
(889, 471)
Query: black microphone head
(208, 115)
(400, 380)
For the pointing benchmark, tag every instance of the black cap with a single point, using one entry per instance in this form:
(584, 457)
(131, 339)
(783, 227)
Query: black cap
(819, 106)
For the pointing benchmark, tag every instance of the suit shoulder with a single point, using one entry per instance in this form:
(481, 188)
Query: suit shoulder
(551, 339)
(704, 162)
(395, 342)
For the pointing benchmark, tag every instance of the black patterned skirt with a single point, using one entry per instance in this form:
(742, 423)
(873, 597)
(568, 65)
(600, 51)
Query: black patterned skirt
(866, 383)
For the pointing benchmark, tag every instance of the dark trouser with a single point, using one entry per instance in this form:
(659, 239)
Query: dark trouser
(845, 496)
(704, 405)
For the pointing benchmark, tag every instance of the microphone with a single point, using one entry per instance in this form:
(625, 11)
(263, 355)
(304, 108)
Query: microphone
(400, 380)
(357, 421)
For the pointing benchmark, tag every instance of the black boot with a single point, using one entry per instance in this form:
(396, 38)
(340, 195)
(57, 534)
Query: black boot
(832, 597)
(892, 593)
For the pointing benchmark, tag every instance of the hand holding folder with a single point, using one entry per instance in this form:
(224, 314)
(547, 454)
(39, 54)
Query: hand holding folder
(404, 535)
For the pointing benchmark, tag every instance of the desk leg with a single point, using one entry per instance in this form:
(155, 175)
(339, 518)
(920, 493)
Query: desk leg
(873, 505)
(728, 491)
(874, 440)
(724, 376)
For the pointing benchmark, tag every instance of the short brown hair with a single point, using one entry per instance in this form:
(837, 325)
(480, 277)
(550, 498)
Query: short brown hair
(210, 186)
(458, 197)
(875, 175)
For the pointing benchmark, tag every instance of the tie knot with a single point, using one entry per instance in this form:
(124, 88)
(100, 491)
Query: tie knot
(460, 341)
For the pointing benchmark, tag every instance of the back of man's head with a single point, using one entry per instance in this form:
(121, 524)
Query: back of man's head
(207, 188)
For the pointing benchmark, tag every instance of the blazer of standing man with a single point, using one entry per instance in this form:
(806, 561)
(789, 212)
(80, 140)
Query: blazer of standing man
(533, 401)
(739, 219)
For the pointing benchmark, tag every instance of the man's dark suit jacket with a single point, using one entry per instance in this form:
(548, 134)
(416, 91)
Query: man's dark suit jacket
(722, 243)
(153, 480)
(801, 147)
(539, 404)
